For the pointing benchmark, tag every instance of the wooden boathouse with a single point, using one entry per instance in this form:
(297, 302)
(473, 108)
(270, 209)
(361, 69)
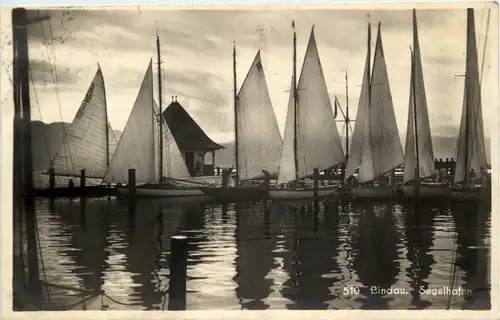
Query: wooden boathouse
(196, 147)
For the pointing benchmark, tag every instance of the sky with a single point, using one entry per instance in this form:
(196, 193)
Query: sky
(197, 59)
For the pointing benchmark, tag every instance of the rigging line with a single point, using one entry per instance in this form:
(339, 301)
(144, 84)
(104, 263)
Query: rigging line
(55, 78)
(40, 113)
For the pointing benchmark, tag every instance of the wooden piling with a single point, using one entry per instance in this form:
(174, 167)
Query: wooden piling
(316, 178)
(316, 187)
(178, 273)
(131, 183)
(52, 180)
(82, 179)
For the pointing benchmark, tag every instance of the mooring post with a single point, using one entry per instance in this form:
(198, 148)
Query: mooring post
(316, 187)
(82, 179)
(131, 183)
(315, 179)
(178, 273)
(52, 181)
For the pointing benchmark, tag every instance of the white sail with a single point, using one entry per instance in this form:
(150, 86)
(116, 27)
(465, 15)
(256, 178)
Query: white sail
(136, 148)
(89, 136)
(259, 138)
(174, 165)
(425, 149)
(287, 168)
(385, 145)
(318, 140)
(361, 126)
(471, 152)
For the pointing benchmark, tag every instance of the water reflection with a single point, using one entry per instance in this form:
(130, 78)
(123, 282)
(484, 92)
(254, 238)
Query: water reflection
(375, 254)
(255, 237)
(472, 223)
(295, 255)
(418, 221)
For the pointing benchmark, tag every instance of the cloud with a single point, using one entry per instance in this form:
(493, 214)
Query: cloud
(44, 72)
(197, 57)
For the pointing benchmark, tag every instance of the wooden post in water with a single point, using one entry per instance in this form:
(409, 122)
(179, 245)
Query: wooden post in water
(315, 179)
(316, 187)
(178, 273)
(52, 181)
(131, 183)
(82, 179)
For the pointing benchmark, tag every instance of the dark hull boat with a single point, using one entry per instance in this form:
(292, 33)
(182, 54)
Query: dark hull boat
(427, 190)
(88, 191)
(470, 194)
(236, 194)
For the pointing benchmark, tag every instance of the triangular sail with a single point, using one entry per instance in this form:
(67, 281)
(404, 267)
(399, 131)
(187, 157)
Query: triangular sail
(136, 148)
(287, 159)
(471, 152)
(385, 145)
(425, 149)
(86, 143)
(259, 146)
(318, 140)
(174, 165)
(360, 135)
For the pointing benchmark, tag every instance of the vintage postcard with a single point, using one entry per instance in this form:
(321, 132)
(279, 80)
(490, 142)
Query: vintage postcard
(209, 160)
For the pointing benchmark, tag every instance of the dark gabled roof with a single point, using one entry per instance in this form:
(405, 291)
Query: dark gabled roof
(187, 133)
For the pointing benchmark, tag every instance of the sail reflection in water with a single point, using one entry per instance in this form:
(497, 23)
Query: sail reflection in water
(274, 255)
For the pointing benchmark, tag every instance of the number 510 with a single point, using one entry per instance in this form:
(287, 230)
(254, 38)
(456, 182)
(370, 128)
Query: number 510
(350, 291)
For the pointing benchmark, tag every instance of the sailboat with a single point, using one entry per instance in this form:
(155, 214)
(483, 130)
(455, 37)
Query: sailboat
(257, 147)
(137, 149)
(471, 151)
(419, 153)
(376, 148)
(86, 144)
(311, 140)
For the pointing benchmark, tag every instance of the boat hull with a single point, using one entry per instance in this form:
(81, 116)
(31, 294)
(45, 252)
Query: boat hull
(236, 194)
(280, 194)
(88, 191)
(471, 195)
(161, 192)
(427, 191)
(374, 193)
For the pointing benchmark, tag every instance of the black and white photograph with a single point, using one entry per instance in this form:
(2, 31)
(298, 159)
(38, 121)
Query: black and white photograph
(250, 157)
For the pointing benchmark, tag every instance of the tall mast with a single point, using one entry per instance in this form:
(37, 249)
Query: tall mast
(235, 101)
(106, 128)
(413, 84)
(470, 34)
(413, 69)
(346, 116)
(295, 120)
(160, 104)
(369, 65)
(23, 157)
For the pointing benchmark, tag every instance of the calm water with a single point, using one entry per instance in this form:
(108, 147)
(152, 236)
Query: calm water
(262, 256)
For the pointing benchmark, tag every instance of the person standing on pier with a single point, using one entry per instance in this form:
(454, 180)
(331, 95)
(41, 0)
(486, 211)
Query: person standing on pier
(267, 178)
(447, 165)
(225, 176)
(472, 176)
(71, 183)
(436, 164)
(452, 170)
(342, 170)
(441, 164)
